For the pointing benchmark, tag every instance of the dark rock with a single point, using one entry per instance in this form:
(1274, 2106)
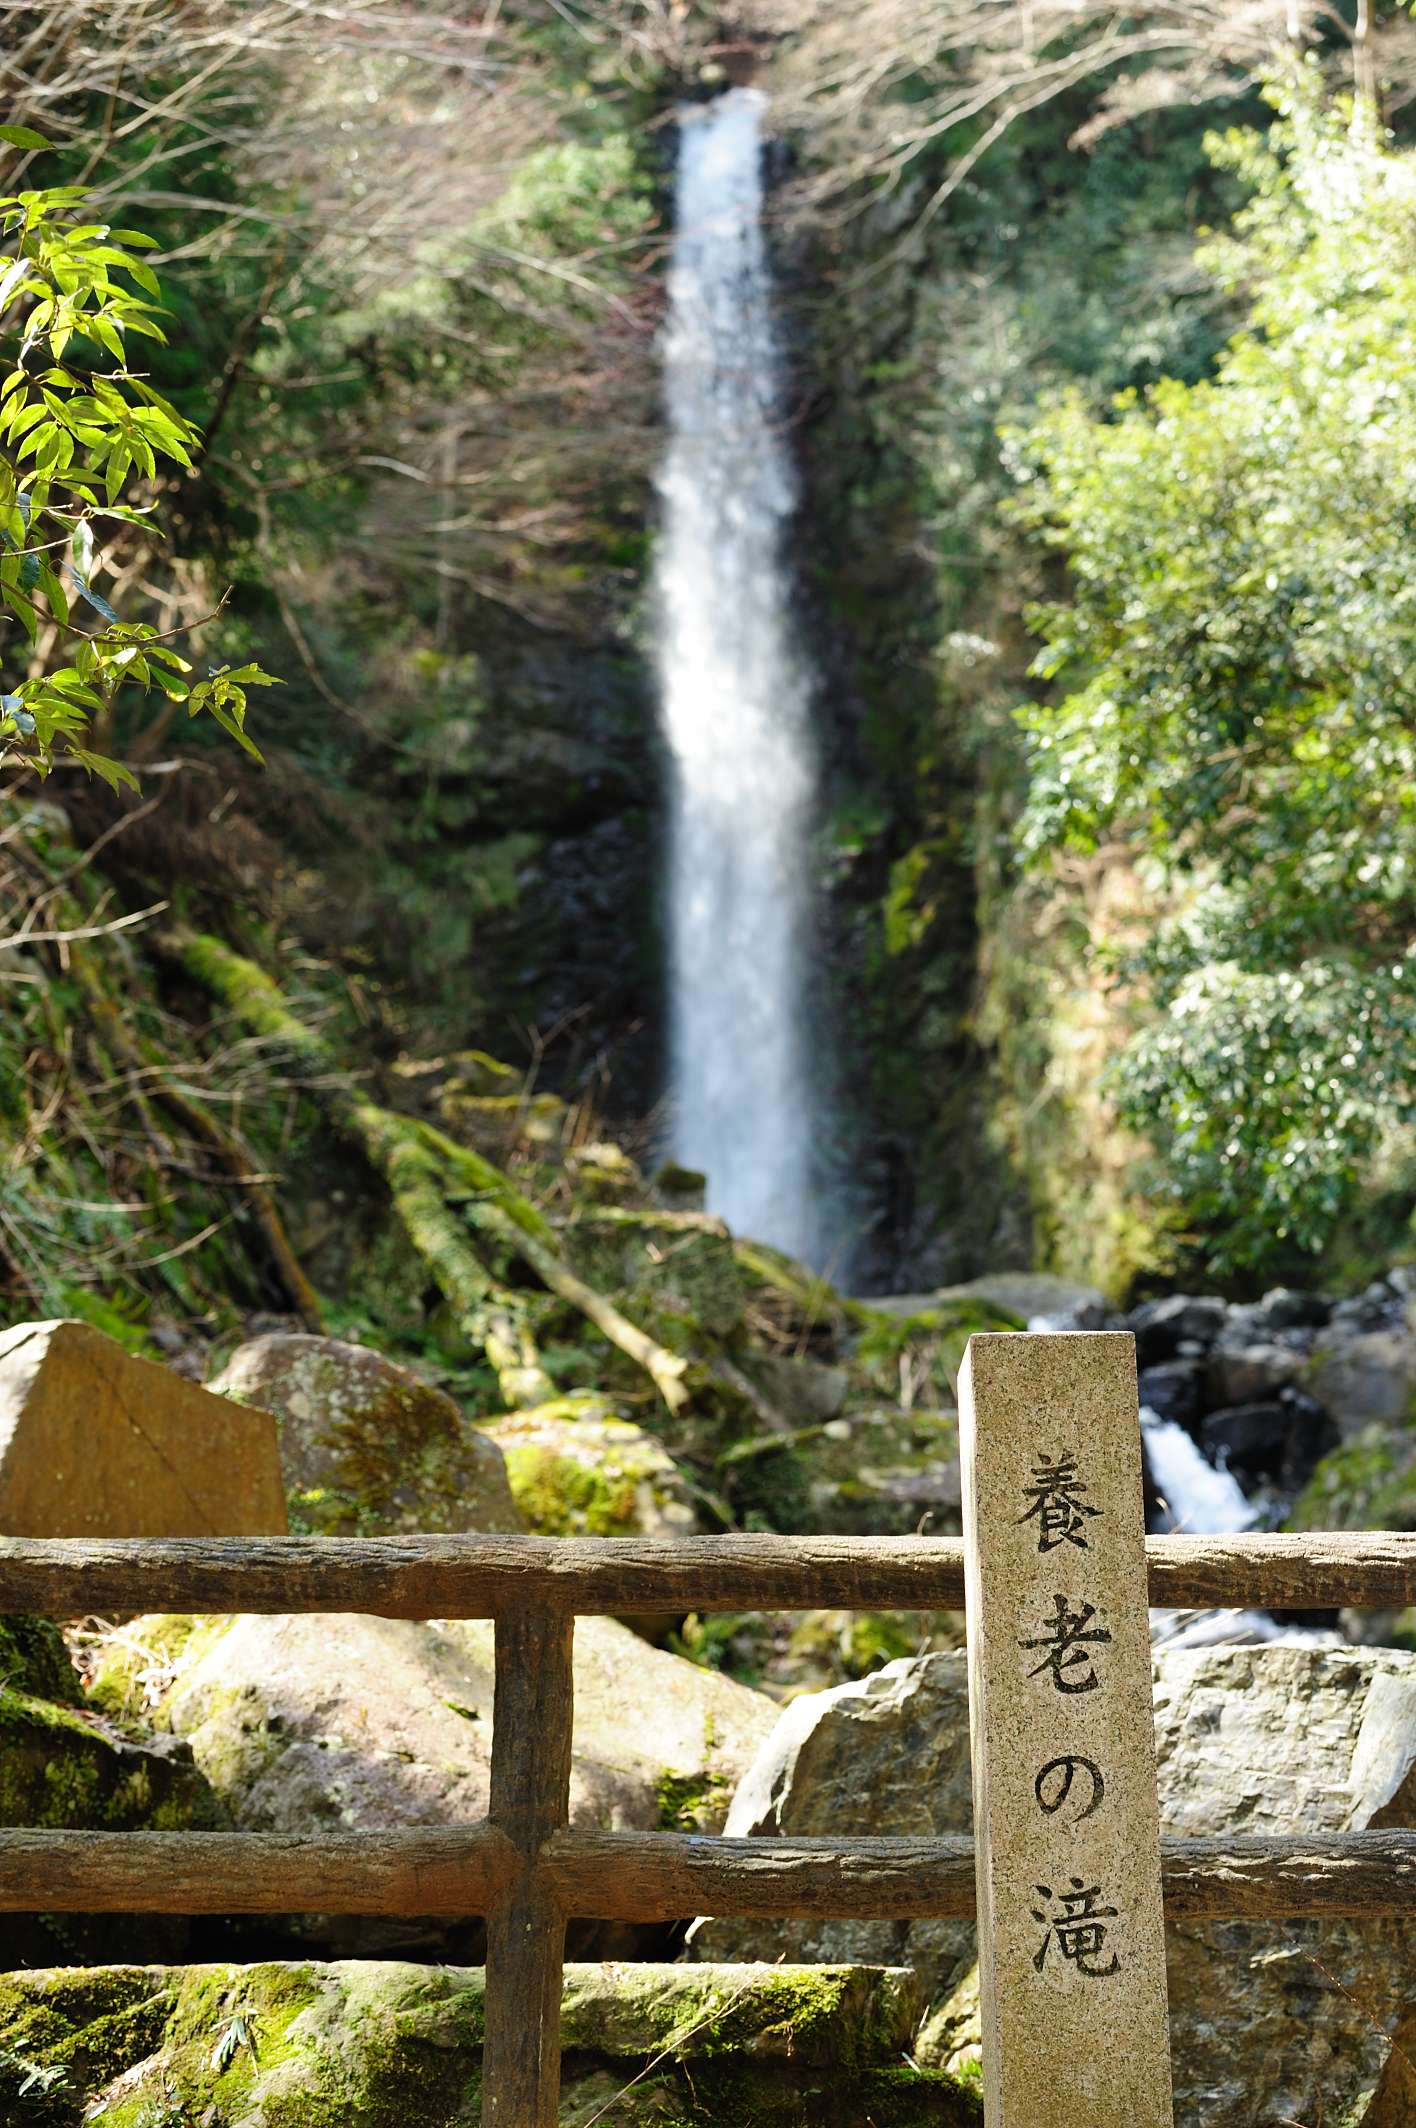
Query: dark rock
(1174, 1389)
(1281, 1439)
(1286, 1309)
(1250, 1439)
(1312, 1434)
(1161, 1326)
(1379, 1307)
(1363, 1376)
(1249, 1373)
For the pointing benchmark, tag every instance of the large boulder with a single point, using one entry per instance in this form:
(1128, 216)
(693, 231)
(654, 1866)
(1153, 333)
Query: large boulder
(367, 1447)
(1270, 2023)
(577, 1468)
(1369, 1482)
(303, 1722)
(883, 1754)
(1162, 1327)
(1365, 1377)
(96, 1443)
(384, 2045)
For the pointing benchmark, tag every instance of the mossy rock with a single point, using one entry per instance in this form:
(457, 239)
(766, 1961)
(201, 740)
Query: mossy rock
(501, 1119)
(1367, 1483)
(578, 1469)
(679, 1189)
(60, 1766)
(603, 1173)
(669, 1263)
(384, 2045)
(33, 1658)
(366, 1447)
(135, 1664)
(875, 1471)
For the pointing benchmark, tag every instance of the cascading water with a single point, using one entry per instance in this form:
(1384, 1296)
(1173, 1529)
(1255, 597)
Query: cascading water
(1200, 1500)
(735, 702)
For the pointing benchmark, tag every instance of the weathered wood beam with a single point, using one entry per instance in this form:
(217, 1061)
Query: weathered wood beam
(1343, 1876)
(670, 1876)
(655, 1876)
(456, 1872)
(475, 1576)
(530, 1801)
(644, 1876)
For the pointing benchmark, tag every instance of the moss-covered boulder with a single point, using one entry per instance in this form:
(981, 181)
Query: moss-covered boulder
(577, 1468)
(65, 1766)
(381, 2045)
(366, 1446)
(874, 1471)
(659, 1264)
(62, 1766)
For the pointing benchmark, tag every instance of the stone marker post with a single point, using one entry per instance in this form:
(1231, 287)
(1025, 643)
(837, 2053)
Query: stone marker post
(1066, 1825)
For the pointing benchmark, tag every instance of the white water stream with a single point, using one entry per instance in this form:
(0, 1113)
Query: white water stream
(1202, 1501)
(735, 701)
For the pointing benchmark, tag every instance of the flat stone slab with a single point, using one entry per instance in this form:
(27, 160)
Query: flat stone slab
(96, 1443)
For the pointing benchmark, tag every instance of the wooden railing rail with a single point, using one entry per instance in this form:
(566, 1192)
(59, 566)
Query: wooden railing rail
(649, 1876)
(482, 1577)
(525, 1868)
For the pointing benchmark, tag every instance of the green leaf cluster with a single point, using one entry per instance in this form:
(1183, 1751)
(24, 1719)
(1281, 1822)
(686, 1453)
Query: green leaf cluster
(1235, 671)
(79, 426)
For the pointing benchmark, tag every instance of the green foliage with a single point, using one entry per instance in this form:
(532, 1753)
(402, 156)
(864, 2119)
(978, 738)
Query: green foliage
(1237, 666)
(80, 426)
(1270, 1091)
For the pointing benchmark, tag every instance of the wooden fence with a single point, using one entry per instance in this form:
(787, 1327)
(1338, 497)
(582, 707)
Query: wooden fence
(525, 1868)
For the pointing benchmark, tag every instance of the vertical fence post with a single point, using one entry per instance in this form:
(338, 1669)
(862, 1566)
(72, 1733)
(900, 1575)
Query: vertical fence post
(1066, 1822)
(530, 1799)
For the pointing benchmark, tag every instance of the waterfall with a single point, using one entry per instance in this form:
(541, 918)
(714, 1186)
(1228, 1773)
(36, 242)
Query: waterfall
(735, 696)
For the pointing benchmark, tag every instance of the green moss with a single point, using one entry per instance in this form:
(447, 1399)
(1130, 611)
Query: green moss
(250, 993)
(920, 2098)
(689, 1802)
(137, 1661)
(1367, 1483)
(561, 1497)
(79, 2029)
(59, 1769)
(33, 1657)
(373, 2045)
(576, 1468)
(659, 1263)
